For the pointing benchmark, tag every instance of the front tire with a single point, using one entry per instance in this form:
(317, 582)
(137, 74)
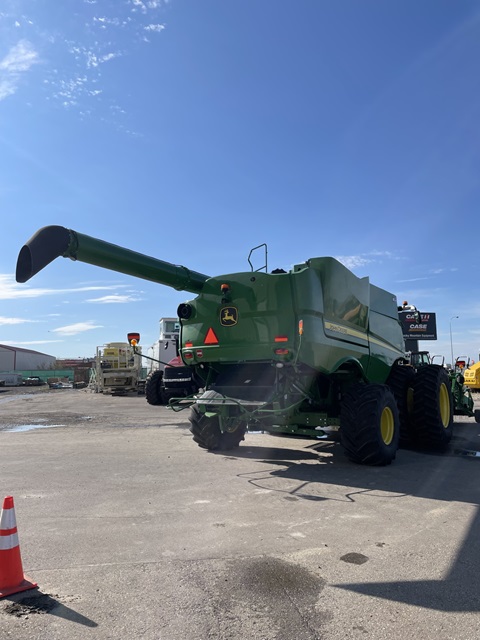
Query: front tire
(154, 391)
(207, 434)
(432, 408)
(370, 424)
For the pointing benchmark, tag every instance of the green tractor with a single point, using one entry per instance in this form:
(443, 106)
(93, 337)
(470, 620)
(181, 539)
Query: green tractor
(306, 352)
(463, 403)
(462, 396)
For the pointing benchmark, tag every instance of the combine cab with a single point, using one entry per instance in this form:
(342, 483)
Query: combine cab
(284, 352)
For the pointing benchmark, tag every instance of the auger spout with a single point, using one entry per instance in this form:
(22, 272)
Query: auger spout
(54, 241)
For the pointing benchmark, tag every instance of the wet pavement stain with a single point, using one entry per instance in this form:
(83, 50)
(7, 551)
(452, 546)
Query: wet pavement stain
(30, 427)
(271, 599)
(354, 558)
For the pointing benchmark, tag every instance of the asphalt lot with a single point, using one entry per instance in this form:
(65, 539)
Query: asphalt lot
(132, 531)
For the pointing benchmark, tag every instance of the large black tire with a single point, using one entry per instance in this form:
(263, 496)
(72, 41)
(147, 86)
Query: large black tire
(154, 391)
(432, 408)
(369, 424)
(206, 432)
(400, 382)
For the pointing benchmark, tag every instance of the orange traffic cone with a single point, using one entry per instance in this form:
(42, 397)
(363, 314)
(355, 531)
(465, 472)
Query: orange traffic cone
(12, 578)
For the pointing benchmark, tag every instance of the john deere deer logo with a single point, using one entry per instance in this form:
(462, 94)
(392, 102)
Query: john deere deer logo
(228, 316)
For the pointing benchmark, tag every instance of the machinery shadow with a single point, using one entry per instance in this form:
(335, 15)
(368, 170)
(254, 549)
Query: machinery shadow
(451, 476)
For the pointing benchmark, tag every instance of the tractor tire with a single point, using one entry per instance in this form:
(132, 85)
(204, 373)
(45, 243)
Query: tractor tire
(400, 382)
(206, 432)
(432, 414)
(370, 424)
(154, 391)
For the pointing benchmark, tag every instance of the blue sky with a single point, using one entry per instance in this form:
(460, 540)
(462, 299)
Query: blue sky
(193, 131)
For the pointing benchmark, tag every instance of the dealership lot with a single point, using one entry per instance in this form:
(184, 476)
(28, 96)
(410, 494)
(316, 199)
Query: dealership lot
(132, 531)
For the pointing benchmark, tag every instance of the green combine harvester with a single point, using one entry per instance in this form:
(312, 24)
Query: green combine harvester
(306, 352)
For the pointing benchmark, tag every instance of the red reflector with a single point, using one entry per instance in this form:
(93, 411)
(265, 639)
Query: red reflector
(281, 352)
(281, 339)
(210, 338)
(188, 344)
(187, 355)
(199, 353)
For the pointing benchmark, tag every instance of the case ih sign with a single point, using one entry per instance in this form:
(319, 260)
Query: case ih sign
(426, 329)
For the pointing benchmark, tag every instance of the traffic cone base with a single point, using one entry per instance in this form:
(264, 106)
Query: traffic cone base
(24, 586)
(12, 578)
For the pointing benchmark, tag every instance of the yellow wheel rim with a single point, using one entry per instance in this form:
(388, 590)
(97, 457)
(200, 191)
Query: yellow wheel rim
(444, 405)
(387, 425)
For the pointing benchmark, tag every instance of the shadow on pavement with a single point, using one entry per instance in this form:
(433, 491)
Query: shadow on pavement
(451, 476)
(40, 603)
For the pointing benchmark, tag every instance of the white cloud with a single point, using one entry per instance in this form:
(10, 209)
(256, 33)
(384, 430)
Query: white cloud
(20, 58)
(109, 56)
(10, 290)
(16, 343)
(375, 256)
(18, 61)
(154, 27)
(78, 327)
(138, 4)
(114, 299)
(74, 61)
(414, 279)
(353, 262)
(443, 270)
(5, 321)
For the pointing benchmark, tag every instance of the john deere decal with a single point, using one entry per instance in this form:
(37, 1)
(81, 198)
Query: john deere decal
(228, 316)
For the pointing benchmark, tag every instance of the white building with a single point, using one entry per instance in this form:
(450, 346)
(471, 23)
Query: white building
(17, 359)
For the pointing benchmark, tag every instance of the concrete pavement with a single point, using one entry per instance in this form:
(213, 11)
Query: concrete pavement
(132, 531)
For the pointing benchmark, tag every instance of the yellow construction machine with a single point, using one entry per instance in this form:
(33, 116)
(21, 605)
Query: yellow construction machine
(472, 376)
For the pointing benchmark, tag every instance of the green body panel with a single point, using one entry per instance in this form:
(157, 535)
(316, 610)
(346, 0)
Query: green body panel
(332, 303)
(462, 396)
(276, 350)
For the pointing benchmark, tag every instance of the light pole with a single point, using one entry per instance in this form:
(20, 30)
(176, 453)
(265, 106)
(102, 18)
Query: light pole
(451, 341)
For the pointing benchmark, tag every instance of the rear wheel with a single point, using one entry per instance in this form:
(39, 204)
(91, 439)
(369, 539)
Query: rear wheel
(432, 407)
(400, 382)
(154, 391)
(370, 424)
(207, 434)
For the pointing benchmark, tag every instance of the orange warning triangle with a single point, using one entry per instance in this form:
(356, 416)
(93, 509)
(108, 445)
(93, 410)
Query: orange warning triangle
(210, 338)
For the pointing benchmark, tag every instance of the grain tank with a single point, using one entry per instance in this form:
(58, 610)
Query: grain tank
(301, 352)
